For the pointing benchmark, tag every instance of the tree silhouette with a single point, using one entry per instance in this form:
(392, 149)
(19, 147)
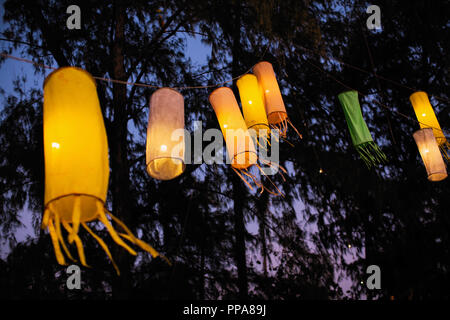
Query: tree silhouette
(336, 217)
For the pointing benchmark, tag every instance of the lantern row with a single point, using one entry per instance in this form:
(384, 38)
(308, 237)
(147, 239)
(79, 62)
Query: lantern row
(76, 147)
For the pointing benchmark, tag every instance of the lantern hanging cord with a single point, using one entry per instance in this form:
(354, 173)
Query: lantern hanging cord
(328, 57)
(376, 75)
(374, 100)
(5, 55)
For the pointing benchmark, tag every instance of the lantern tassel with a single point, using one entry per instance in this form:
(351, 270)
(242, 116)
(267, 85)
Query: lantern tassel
(244, 172)
(75, 219)
(60, 237)
(371, 154)
(271, 164)
(444, 146)
(56, 247)
(74, 237)
(283, 125)
(113, 233)
(243, 179)
(103, 245)
(130, 237)
(52, 221)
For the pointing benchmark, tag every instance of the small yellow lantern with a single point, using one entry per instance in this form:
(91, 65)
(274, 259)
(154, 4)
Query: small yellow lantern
(427, 119)
(252, 100)
(165, 135)
(76, 163)
(241, 149)
(429, 151)
(275, 109)
(239, 142)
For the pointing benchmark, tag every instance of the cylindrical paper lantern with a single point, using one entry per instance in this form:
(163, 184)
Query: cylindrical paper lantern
(427, 118)
(238, 141)
(165, 135)
(275, 109)
(76, 161)
(429, 151)
(252, 100)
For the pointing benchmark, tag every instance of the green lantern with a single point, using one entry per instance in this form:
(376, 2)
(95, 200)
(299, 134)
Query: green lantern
(361, 137)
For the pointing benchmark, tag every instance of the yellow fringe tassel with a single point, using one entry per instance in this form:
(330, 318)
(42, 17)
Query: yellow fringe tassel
(52, 221)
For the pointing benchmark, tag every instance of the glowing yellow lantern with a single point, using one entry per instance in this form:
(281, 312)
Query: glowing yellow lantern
(252, 101)
(165, 135)
(76, 163)
(241, 149)
(429, 151)
(238, 140)
(275, 109)
(427, 118)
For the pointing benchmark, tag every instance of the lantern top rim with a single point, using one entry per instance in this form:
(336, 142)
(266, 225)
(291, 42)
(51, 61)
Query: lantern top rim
(69, 67)
(169, 89)
(220, 88)
(422, 130)
(347, 91)
(419, 91)
(251, 75)
(262, 62)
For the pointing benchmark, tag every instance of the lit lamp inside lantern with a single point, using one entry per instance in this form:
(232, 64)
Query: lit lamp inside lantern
(427, 119)
(165, 135)
(431, 156)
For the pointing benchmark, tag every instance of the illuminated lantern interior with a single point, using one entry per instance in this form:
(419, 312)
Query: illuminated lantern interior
(429, 151)
(165, 135)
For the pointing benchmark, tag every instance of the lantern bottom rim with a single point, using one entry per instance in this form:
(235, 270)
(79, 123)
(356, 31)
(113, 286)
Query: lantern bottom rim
(438, 176)
(259, 125)
(64, 206)
(165, 168)
(276, 117)
(250, 158)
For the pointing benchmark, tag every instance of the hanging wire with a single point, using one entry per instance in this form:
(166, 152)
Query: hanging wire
(374, 100)
(376, 75)
(328, 57)
(5, 55)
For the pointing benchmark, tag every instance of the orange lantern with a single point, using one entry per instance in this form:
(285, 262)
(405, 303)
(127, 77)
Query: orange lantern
(275, 109)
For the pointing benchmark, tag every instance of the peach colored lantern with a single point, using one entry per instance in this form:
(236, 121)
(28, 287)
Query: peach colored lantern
(429, 151)
(165, 135)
